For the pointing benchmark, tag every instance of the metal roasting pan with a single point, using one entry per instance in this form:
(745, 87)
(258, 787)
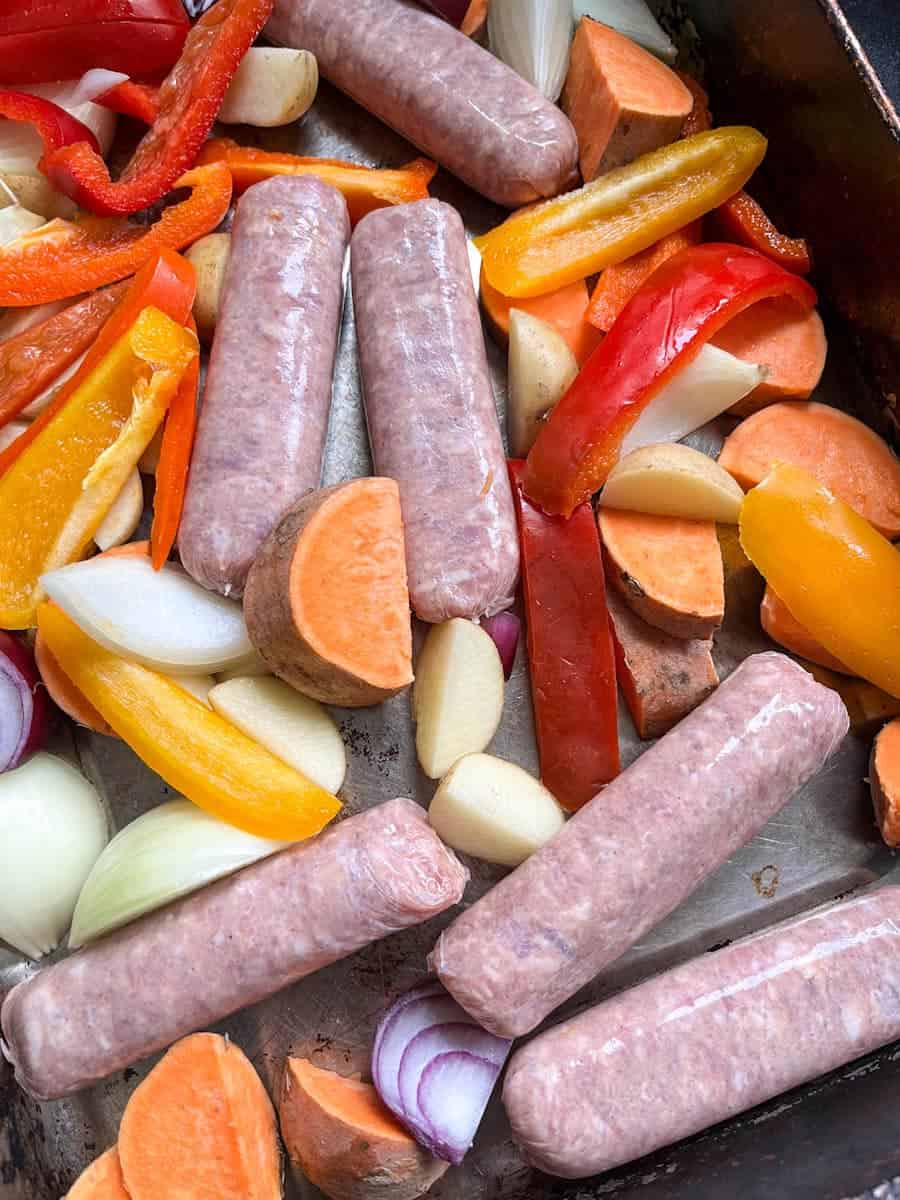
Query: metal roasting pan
(802, 71)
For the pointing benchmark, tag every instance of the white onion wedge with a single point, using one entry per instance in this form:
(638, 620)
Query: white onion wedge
(162, 619)
(633, 19)
(17, 320)
(672, 480)
(20, 144)
(534, 38)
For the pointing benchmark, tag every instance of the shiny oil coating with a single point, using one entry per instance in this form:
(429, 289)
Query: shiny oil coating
(709, 1039)
(262, 428)
(430, 408)
(227, 946)
(640, 847)
(439, 90)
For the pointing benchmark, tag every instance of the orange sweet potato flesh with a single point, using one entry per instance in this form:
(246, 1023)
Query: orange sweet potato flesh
(782, 627)
(343, 1139)
(566, 310)
(102, 1180)
(622, 101)
(661, 677)
(203, 1121)
(668, 570)
(884, 780)
(618, 283)
(326, 600)
(788, 341)
(841, 453)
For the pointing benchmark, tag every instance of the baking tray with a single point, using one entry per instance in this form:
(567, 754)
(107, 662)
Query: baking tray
(792, 68)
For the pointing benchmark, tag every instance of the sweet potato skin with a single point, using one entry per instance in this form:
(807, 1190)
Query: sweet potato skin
(885, 795)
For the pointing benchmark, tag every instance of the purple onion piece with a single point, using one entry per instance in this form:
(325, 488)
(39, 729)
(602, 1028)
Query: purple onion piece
(504, 631)
(24, 708)
(453, 1094)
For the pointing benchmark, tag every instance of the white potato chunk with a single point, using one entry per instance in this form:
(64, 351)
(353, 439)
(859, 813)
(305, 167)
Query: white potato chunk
(294, 728)
(457, 698)
(209, 257)
(274, 85)
(541, 368)
(122, 519)
(494, 810)
(199, 686)
(673, 481)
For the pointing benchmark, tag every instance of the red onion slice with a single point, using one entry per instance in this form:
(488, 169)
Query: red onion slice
(453, 1094)
(504, 631)
(24, 708)
(451, 10)
(395, 1029)
(441, 1039)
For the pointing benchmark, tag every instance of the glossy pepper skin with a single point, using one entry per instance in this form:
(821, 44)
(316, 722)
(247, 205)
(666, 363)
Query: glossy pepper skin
(661, 329)
(195, 750)
(838, 576)
(56, 126)
(570, 649)
(743, 220)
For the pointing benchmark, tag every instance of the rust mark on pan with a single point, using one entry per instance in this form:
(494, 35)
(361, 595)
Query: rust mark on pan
(766, 882)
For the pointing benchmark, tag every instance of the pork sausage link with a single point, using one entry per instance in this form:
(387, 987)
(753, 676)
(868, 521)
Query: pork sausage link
(265, 409)
(430, 408)
(231, 944)
(439, 90)
(709, 1039)
(640, 847)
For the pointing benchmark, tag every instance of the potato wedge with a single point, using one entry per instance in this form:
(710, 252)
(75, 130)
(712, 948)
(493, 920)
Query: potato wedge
(672, 480)
(274, 85)
(541, 367)
(122, 519)
(209, 257)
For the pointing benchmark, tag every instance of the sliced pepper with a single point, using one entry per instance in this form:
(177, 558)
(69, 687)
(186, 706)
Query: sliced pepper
(742, 220)
(55, 495)
(65, 258)
(55, 126)
(189, 100)
(174, 460)
(132, 99)
(551, 244)
(661, 328)
(570, 649)
(364, 188)
(196, 751)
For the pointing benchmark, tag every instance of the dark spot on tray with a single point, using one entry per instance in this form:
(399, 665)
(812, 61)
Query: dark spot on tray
(128, 1074)
(766, 882)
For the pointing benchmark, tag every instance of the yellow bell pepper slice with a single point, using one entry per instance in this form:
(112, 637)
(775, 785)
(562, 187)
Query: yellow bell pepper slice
(560, 241)
(55, 495)
(838, 576)
(195, 750)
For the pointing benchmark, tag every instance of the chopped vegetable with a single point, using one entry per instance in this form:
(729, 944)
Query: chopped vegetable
(10, 432)
(209, 258)
(457, 699)
(699, 119)
(673, 481)
(742, 220)
(34, 193)
(561, 241)
(364, 188)
(274, 85)
(46, 397)
(622, 100)
(54, 828)
(659, 332)
(533, 37)
(662, 678)
(778, 622)
(48, 116)
(131, 99)
(203, 1120)
(102, 1180)
(252, 667)
(541, 370)
(167, 853)
(123, 518)
(326, 600)
(54, 125)
(173, 463)
(570, 652)
(198, 686)
(194, 750)
(565, 311)
(64, 258)
(24, 711)
(884, 780)
(296, 729)
(634, 19)
(841, 453)
(494, 810)
(816, 552)
(345, 1141)
(503, 630)
(618, 283)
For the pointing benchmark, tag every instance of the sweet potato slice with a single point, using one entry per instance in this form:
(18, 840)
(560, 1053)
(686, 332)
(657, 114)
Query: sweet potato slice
(668, 570)
(661, 677)
(565, 310)
(618, 283)
(841, 453)
(200, 1126)
(102, 1180)
(338, 1132)
(326, 601)
(783, 627)
(884, 780)
(787, 341)
(622, 101)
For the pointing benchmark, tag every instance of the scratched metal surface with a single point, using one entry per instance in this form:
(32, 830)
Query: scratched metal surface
(822, 844)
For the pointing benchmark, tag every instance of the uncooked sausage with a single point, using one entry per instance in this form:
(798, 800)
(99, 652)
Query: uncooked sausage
(640, 847)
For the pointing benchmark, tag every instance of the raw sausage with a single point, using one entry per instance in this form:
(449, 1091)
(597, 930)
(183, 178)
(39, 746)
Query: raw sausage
(430, 408)
(230, 945)
(264, 418)
(439, 90)
(709, 1039)
(640, 847)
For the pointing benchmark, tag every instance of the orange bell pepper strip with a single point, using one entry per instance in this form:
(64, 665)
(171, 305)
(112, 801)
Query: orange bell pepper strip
(559, 241)
(837, 575)
(131, 99)
(166, 282)
(742, 220)
(364, 188)
(55, 495)
(65, 258)
(174, 460)
(618, 283)
(196, 751)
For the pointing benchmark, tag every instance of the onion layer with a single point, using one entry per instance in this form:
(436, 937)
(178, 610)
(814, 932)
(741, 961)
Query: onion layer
(24, 707)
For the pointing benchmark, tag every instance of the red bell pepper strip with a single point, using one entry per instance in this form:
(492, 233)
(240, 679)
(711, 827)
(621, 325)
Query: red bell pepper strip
(174, 460)
(65, 258)
(166, 282)
(138, 100)
(56, 127)
(45, 40)
(189, 101)
(570, 649)
(661, 329)
(742, 220)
